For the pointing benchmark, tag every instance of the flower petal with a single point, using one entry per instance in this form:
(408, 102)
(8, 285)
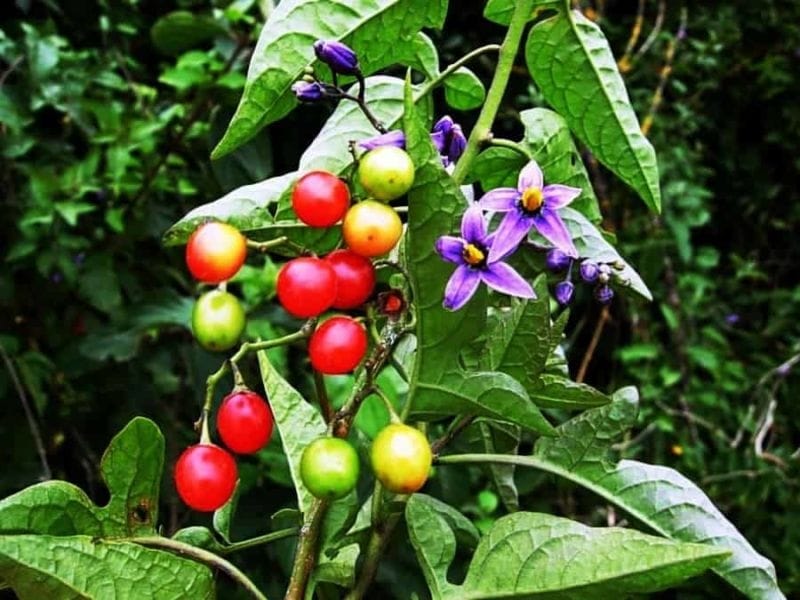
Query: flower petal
(461, 286)
(444, 125)
(511, 231)
(451, 249)
(549, 224)
(530, 176)
(473, 225)
(393, 138)
(503, 278)
(439, 140)
(500, 200)
(559, 196)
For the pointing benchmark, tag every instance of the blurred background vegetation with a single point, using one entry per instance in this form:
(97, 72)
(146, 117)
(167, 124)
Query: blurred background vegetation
(108, 112)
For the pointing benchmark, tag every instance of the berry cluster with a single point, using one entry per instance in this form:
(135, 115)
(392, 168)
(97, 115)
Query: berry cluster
(307, 287)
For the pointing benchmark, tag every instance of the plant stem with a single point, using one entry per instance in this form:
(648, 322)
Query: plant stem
(322, 396)
(306, 554)
(437, 81)
(261, 539)
(203, 556)
(378, 540)
(504, 143)
(505, 62)
(452, 433)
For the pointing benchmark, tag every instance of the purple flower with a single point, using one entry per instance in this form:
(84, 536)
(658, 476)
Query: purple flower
(393, 138)
(339, 57)
(556, 260)
(308, 92)
(532, 205)
(446, 135)
(603, 294)
(589, 271)
(471, 253)
(564, 291)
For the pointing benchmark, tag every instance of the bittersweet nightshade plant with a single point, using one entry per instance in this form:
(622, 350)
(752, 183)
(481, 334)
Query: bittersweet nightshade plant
(338, 56)
(531, 205)
(471, 253)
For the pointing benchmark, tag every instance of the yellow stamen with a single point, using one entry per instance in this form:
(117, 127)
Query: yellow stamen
(532, 199)
(473, 255)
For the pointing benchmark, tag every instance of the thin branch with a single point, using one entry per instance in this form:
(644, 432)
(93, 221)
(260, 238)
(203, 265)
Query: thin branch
(590, 349)
(11, 68)
(322, 396)
(624, 63)
(29, 416)
(267, 538)
(452, 433)
(651, 38)
(306, 554)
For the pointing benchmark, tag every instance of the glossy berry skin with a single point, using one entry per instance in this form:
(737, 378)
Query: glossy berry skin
(215, 252)
(329, 467)
(337, 346)
(401, 458)
(205, 477)
(306, 286)
(244, 422)
(386, 172)
(371, 228)
(320, 199)
(355, 277)
(218, 320)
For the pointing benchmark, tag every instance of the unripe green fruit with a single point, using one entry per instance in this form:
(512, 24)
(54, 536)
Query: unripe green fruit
(217, 320)
(386, 172)
(329, 467)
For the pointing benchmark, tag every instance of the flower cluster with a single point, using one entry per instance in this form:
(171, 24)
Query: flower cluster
(480, 255)
(598, 274)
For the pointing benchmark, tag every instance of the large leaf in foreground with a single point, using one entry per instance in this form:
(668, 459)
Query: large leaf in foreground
(43, 566)
(439, 385)
(373, 28)
(659, 497)
(572, 65)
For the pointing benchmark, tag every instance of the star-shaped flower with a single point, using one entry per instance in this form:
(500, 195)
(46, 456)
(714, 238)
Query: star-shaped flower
(471, 253)
(532, 205)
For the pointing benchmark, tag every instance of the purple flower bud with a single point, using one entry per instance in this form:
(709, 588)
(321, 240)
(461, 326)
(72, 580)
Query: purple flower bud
(732, 319)
(393, 138)
(603, 294)
(557, 260)
(308, 92)
(339, 57)
(564, 291)
(589, 271)
(457, 143)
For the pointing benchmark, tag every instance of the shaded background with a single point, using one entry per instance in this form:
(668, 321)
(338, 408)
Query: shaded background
(108, 112)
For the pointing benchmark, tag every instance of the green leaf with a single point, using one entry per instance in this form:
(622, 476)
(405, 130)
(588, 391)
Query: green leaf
(550, 142)
(434, 527)
(439, 385)
(463, 90)
(182, 30)
(659, 497)
(497, 167)
(530, 555)
(572, 65)
(223, 516)
(198, 536)
(500, 11)
(503, 439)
(591, 245)
(559, 392)
(298, 423)
(284, 50)
(131, 468)
(43, 566)
(71, 211)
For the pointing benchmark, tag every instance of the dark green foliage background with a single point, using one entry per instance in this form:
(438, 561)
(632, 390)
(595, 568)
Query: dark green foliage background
(105, 133)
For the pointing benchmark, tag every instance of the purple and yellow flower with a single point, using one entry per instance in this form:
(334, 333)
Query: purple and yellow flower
(471, 253)
(531, 205)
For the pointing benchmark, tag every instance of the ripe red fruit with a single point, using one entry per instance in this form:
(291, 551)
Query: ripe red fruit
(355, 278)
(320, 199)
(244, 422)
(205, 477)
(215, 252)
(306, 286)
(337, 346)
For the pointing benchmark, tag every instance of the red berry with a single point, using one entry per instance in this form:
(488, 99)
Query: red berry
(338, 345)
(244, 422)
(320, 199)
(306, 286)
(205, 476)
(355, 278)
(215, 252)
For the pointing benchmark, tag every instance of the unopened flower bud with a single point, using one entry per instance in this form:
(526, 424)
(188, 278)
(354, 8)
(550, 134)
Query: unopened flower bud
(308, 92)
(557, 260)
(589, 271)
(603, 294)
(603, 278)
(563, 292)
(339, 57)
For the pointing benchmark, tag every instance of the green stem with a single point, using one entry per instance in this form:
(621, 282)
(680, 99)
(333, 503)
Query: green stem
(378, 540)
(203, 556)
(260, 540)
(306, 554)
(437, 81)
(504, 143)
(505, 62)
